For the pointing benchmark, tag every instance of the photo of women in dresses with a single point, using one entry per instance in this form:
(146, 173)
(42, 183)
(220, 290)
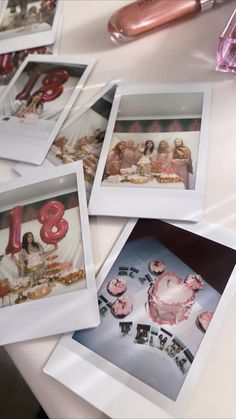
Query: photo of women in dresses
(162, 159)
(27, 14)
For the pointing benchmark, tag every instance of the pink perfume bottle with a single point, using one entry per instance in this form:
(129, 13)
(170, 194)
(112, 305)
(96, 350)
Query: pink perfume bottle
(226, 50)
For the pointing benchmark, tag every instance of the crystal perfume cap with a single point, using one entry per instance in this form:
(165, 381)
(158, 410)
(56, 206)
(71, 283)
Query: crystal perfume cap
(226, 49)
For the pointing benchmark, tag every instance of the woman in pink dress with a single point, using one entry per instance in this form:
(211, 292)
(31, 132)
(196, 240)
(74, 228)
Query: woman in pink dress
(130, 155)
(164, 155)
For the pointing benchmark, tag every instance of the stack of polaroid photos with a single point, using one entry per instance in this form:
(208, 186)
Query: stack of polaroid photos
(144, 327)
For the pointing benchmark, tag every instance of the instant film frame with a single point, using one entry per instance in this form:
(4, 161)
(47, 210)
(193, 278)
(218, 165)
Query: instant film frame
(22, 28)
(11, 61)
(116, 392)
(165, 184)
(80, 126)
(60, 293)
(36, 103)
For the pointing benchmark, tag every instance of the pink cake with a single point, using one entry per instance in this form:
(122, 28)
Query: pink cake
(117, 287)
(169, 300)
(156, 267)
(203, 320)
(121, 307)
(195, 281)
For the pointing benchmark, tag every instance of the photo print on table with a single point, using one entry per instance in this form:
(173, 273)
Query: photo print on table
(170, 307)
(43, 257)
(142, 334)
(81, 136)
(28, 24)
(154, 153)
(174, 348)
(36, 103)
(10, 62)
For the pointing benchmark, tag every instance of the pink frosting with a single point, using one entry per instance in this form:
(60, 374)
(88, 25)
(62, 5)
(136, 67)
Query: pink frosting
(195, 281)
(122, 307)
(169, 299)
(204, 319)
(157, 266)
(117, 287)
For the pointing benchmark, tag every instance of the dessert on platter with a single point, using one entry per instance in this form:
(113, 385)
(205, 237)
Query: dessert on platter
(156, 267)
(203, 320)
(138, 179)
(17, 283)
(116, 287)
(72, 277)
(168, 178)
(169, 299)
(40, 291)
(122, 307)
(194, 281)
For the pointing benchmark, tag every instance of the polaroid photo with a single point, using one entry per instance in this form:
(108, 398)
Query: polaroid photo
(184, 361)
(28, 24)
(47, 282)
(11, 61)
(126, 329)
(142, 334)
(36, 102)
(153, 341)
(81, 136)
(164, 339)
(148, 378)
(153, 159)
(174, 348)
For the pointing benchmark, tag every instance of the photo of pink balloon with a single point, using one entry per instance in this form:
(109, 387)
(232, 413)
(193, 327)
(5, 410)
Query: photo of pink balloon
(14, 242)
(54, 226)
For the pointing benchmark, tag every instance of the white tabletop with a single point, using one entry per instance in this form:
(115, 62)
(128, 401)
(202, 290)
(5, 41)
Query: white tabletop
(184, 52)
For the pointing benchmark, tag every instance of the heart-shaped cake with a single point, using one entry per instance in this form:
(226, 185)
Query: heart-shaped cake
(169, 299)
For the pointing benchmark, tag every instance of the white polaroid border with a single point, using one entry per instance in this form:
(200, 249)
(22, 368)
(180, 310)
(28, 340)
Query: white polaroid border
(111, 389)
(34, 150)
(152, 202)
(62, 312)
(50, 161)
(32, 40)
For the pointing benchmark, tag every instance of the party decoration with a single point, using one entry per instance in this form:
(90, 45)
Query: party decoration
(52, 84)
(6, 65)
(54, 226)
(33, 77)
(14, 242)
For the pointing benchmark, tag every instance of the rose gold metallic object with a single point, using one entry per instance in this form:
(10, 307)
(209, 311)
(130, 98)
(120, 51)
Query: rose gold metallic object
(143, 15)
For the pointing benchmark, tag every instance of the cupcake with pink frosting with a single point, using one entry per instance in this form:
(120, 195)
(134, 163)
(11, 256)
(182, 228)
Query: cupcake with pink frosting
(116, 287)
(156, 267)
(122, 307)
(195, 281)
(203, 320)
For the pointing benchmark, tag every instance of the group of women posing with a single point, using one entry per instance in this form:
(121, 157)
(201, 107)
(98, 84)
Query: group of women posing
(178, 158)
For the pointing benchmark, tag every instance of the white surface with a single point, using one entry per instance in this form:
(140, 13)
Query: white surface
(180, 53)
